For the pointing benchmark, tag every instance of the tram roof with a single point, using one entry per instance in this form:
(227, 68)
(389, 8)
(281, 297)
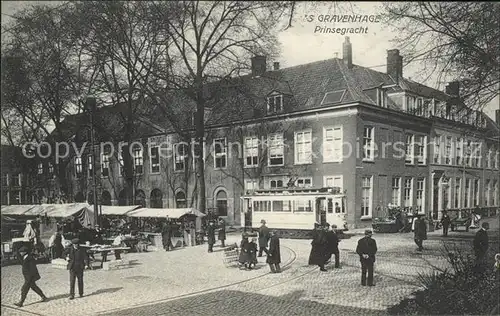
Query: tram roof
(296, 191)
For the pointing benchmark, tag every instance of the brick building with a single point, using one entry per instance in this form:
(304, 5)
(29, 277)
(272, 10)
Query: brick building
(382, 138)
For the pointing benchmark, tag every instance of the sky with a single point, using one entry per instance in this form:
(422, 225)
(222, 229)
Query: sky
(300, 44)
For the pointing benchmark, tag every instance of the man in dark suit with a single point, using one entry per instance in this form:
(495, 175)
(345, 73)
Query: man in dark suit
(211, 236)
(222, 232)
(445, 221)
(481, 244)
(333, 245)
(274, 254)
(420, 232)
(366, 249)
(77, 260)
(263, 237)
(31, 275)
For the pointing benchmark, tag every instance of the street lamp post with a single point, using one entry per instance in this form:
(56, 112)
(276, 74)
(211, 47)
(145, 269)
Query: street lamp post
(90, 104)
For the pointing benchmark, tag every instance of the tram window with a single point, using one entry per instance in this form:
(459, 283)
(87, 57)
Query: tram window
(337, 208)
(277, 206)
(303, 206)
(330, 206)
(256, 207)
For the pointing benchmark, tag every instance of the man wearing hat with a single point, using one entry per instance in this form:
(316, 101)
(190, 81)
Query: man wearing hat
(31, 275)
(263, 237)
(274, 254)
(366, 249)
(77, 260)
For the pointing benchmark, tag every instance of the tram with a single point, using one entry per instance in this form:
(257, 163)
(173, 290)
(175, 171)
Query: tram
(294, 209)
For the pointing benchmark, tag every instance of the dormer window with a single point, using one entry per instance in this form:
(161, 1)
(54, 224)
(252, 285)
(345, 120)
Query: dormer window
(275, 104)
(381, 97)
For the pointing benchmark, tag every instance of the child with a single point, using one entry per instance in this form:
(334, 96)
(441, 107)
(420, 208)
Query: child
(252, 253)
(243, 259)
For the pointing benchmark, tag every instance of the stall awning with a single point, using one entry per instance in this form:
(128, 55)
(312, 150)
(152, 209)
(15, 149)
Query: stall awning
(165, 212)
(63, 210)
(117, 210)
(16, 209)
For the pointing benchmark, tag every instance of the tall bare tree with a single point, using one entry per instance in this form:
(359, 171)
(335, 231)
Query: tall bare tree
(456, 39)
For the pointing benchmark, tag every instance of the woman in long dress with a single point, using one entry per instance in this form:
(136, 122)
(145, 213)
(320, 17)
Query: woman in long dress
(319, 248)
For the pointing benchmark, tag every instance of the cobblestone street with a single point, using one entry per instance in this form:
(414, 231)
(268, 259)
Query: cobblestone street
(191, 281)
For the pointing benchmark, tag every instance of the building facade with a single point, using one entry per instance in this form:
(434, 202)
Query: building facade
(383, 139)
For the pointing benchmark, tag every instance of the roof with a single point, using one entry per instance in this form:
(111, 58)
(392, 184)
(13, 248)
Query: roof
(118, 210)
(165, 212)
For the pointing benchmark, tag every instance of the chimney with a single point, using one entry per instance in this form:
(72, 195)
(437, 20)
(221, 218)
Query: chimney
(276, 65)
(347, 52)
(453, 88)
(258, 65)
(394, 64)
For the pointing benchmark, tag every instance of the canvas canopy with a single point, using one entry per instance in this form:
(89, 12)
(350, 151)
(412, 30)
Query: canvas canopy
(118, 210)
(165, 212)
(16, 209)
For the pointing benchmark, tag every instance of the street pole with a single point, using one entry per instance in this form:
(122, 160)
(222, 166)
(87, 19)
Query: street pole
(90, 104)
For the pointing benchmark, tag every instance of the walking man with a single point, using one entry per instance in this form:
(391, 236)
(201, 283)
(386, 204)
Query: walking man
(31, 275)
(263, 237)
(445, 221)
(366, 249)
(420, 233)
(481, 244)
(211, 236)
(77, 260)
(333, 245)
(167, 236)
(273, 254)
(222, 232)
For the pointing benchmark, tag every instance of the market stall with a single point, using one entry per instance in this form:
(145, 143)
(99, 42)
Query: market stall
(184, 223)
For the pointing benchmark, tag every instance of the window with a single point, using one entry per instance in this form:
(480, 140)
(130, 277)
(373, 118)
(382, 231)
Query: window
(276, 150)
(303, 206)
(332, 144)
(304, 182)
(419, 108)
(468, 148)
(180, 156)
(447, 152)
(366, 197)
(154, 159)
(421, 195)
(467, 193)
(489, 157)
(476, 192)
(497, 158)
(5, 180)
(251, 184)
(459, 151)
(251, 151)
(410, 104)
(458, 192)
(16, 180)
(198, 151)
(368, 143)
(396, 191)
(437, 149)
(333, 182)
(495, 194)
(303, 147)
(51, 167)
(409, 145)
(89, 166)
(180, 200)
(408, 192)
(274, 104)
(40, 168)
(221, 203)
(275, 184)
(381, 98)
(220, 153)
(420, 149)
(78, 166)
(487, 193)
(105, 164)
(282, 206)
(138, 159)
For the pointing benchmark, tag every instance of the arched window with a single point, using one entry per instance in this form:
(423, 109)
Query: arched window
(180, 200)
(221, 203)
(140, 198)
(156, 199)
(90, 197)
(122, 198)
(79, 197)
(106, 198)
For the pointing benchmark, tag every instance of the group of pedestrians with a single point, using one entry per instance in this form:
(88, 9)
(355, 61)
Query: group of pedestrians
(325, 243)
(248, 249)
(77, 259)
